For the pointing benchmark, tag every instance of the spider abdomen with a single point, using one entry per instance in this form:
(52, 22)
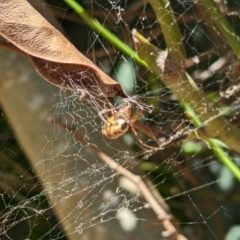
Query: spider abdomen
(114, 128)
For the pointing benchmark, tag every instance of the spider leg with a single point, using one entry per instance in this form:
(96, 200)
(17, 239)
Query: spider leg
(136, 115)
(144, 145)
(102, 114)
(132, 121)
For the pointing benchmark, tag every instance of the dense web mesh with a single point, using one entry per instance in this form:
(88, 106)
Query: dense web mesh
(83, 182)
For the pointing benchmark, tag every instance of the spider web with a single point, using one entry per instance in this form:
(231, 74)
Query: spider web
(70, 192)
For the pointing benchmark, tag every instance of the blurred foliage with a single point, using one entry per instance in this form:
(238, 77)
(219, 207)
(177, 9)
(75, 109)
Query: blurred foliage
(17, 185)
(201, 179)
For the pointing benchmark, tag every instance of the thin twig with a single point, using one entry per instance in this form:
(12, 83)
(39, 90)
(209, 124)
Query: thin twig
(157, 208)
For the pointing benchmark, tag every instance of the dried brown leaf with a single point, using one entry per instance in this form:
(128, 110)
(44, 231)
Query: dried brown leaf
(53, 56)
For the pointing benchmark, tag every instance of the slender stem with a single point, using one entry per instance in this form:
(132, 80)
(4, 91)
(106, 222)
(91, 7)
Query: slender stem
(224, 158)
(217, 150)
(170, 29)
(99, 28)
(198, 114)
(223, 25)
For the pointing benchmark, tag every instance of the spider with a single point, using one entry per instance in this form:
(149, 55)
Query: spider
(120, 121)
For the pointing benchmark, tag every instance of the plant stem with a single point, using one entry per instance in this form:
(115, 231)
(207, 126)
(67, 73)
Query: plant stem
(99, 28)
(223, 25)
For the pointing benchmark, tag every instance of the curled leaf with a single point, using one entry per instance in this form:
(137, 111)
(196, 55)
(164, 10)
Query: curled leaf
(53, 56)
